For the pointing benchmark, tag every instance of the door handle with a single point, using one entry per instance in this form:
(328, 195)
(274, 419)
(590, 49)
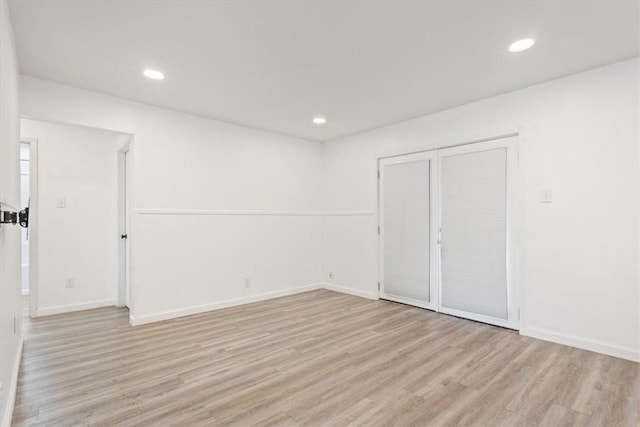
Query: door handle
(124, 236)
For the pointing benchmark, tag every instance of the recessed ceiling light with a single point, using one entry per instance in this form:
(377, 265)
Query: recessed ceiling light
(521, 45)
(154, 74)
(319, 120)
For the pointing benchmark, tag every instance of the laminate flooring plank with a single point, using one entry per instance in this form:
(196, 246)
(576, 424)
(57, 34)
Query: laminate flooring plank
(318, 358)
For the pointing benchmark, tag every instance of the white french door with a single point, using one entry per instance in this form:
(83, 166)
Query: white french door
(477, 186)
(447, 230)
(407, 224)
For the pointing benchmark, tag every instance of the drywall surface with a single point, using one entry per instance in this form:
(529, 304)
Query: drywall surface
(224, 212)
(221, 212)
(579, 254)
(77, 215)
(10, 270)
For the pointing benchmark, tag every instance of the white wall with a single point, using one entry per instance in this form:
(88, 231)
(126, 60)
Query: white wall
(580, 253)
(217, 203)
(10, 304)
(214, 203)
(77, 165)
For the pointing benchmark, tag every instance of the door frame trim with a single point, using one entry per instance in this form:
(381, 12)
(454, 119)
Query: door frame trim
(125, 199)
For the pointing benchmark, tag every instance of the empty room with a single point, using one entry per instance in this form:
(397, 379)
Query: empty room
(319, 213)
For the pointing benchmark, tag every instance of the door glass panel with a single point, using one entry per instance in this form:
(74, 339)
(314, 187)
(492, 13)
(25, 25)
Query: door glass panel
(474, 232)
(406, 230)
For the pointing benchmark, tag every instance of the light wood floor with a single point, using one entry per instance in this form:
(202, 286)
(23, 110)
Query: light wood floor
(318, 358)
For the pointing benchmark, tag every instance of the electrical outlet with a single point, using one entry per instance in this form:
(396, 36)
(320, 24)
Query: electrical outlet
(247, 282)
(331, 275)
(70, 282)
(61, 203)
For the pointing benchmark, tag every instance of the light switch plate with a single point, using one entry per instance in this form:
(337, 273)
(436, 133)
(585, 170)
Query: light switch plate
(62, 203)
(546, 196)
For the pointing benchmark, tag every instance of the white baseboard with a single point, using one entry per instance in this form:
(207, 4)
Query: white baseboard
(345, 290)
(48, 311)
(582, 343)
(13, 386)
(172, 314)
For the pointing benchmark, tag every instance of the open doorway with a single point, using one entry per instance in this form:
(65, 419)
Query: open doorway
(79, 221)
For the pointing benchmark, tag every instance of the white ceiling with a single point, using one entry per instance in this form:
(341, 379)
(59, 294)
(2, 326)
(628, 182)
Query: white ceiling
(275, 65)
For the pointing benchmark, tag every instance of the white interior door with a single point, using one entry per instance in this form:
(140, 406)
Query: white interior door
(124, 220)
(476, 186)
(406, 234)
